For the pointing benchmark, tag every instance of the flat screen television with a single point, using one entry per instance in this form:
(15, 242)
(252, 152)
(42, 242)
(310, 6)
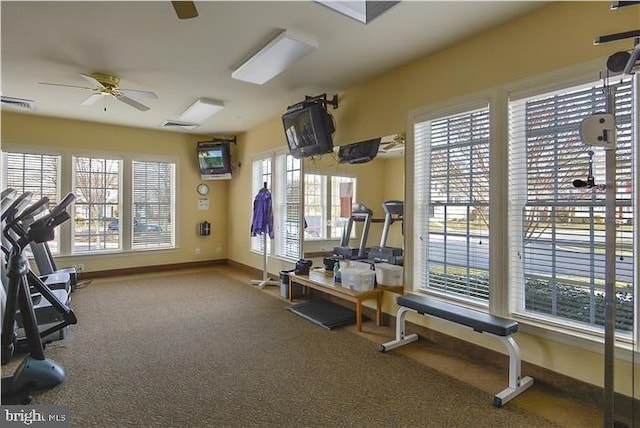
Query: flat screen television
(214, 160)
(308, 129)
(360, 152)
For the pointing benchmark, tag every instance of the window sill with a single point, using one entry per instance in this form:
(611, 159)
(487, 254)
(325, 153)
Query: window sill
(573, 335)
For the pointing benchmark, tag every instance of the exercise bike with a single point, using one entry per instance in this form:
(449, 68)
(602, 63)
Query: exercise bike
(35, 371)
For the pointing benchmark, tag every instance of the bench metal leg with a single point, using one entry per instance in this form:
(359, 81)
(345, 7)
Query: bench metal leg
(517, 384)
(401, 337)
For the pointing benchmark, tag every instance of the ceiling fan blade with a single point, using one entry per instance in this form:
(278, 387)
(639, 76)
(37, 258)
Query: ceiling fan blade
(131, 102)
(66, 86)
(137, 93)
(185, 9)
(93, 81)
(93, 98)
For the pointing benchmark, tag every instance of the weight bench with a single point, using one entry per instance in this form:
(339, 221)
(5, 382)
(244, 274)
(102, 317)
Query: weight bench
(501, 328)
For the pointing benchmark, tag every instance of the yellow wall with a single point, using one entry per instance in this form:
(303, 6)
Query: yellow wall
(552, 37)
(26, 131)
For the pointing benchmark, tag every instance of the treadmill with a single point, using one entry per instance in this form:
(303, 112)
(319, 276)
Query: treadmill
(394, 211)
(359, 213)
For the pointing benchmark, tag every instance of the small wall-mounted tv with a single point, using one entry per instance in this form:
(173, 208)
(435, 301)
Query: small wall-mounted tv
(214, 160)
(360, 152)
(308, 129)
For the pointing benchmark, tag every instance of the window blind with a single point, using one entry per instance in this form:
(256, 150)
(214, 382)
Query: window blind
(35, 173)
(153, 205)
(451, 197)
(288, 207)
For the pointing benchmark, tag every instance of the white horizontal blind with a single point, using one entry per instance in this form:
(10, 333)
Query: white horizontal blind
(452, 204)
(288, 207)
(153, 205)
(557, 230)
(35, 173)
(261, 177)
(97, 184)
(32, 172)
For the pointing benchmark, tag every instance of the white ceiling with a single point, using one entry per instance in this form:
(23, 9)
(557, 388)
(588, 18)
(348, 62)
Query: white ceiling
(150, 49)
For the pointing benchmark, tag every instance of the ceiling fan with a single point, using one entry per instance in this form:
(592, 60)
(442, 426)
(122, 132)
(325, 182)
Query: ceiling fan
(185, 9)
(105, 84)
(395, 143)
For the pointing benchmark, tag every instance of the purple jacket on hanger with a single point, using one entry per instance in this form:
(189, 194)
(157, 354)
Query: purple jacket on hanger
(262, 214)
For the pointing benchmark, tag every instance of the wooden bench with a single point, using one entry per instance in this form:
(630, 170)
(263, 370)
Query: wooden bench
(481, 322)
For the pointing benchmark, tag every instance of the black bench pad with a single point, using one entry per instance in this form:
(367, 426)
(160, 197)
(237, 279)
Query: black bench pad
(479, 321)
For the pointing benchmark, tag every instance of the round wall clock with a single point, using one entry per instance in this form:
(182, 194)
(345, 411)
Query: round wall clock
(203, 189)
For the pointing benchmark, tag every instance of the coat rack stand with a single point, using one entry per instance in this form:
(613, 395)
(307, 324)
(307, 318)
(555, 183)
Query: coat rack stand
(265, 273)
(264, 230)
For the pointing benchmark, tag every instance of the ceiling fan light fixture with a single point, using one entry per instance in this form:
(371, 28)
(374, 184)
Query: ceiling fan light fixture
(278, 55)
(201, 110)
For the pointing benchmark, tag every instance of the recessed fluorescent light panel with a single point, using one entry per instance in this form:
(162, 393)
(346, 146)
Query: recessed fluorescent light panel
(360, 10)
(201, 110)
(278, 55)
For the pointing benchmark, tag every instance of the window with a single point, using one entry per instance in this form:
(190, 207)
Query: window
(322, 209)
(556, 229)
(97, 183)
(337, 217)
(315, 197)
(451, 164)
(35, 173)
(287, 207)
(284, 182)
(100, 221)
(153, 205)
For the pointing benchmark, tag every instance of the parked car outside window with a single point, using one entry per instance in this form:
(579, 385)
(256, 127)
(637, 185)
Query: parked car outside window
(139, 225)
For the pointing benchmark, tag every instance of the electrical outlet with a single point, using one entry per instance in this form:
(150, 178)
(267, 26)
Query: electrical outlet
(80, 267)
(218, 250)
(197, 251)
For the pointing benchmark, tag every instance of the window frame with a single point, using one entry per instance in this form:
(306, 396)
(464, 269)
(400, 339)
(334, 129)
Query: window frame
(500, 302)
(64, 233)
(162, 233)
(421, 205)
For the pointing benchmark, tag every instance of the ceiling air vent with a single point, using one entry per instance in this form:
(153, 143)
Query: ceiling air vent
(18, 103)
(174, 124)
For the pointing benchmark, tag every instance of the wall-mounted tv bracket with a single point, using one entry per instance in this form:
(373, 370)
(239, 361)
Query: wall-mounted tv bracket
(322, 98)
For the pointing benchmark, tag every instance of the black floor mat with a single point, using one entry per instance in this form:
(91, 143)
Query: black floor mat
(324, 313)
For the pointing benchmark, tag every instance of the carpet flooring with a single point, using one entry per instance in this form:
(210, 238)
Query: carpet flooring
(201, 349)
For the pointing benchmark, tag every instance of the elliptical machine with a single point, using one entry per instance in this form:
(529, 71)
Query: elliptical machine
(35, 371)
